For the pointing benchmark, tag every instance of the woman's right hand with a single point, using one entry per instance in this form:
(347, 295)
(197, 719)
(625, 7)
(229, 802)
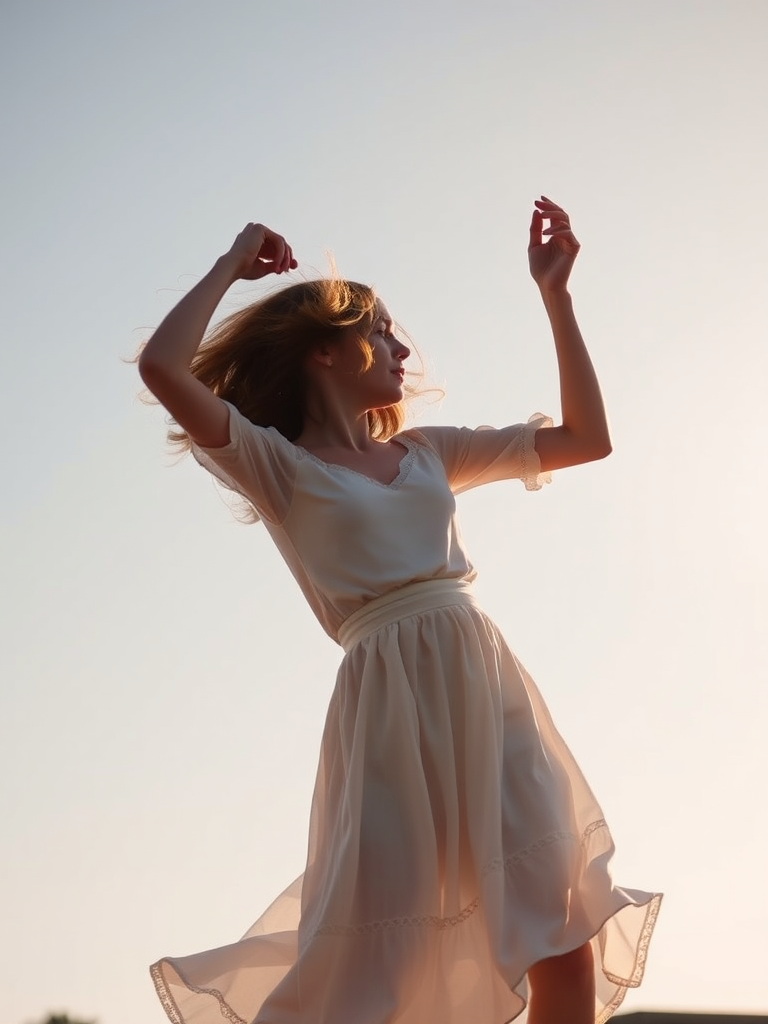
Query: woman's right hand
(257, 251)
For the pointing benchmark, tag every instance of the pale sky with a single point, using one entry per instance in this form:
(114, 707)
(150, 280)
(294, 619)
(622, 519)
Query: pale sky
(164, 686)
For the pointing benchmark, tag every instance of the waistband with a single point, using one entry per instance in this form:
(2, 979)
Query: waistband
(413, 599)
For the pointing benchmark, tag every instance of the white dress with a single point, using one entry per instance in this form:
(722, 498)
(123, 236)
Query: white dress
(453, 839)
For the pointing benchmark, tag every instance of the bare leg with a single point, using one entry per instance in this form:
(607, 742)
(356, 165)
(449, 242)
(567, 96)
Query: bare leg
(563, 989)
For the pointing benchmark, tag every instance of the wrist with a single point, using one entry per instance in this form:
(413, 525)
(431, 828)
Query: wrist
(227, 266)
(554, 297)
(554, 291)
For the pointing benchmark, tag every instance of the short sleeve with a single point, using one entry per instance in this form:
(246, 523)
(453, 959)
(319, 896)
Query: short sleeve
(485, 454)
(258, 463)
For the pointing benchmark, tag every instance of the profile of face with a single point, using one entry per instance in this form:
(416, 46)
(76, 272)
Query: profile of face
(381, 383)
(387, 371)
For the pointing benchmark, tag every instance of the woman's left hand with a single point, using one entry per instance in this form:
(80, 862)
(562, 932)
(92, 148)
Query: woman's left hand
(551, 261)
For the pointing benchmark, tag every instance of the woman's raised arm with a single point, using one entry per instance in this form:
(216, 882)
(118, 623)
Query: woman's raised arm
(165, 362)
(584, 435)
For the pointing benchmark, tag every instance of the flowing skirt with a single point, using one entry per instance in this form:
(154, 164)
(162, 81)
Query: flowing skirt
(453, 843)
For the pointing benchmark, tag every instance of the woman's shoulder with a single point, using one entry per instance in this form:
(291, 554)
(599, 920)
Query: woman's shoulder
(243, 428)
(432, 438)
(417, 437)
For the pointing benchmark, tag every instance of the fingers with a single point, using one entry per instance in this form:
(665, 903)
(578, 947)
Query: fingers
(273, 250)
(546, 201)
(261, 251)
(552, 212)
(559, 229)
(281, 255)
(289, 263)
(566, 241)
(535, 229)
(275, 253)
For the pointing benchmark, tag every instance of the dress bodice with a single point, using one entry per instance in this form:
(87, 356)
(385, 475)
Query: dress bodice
(347, 538)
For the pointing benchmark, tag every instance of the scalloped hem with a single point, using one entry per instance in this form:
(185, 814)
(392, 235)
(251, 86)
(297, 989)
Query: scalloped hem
(223, 1009)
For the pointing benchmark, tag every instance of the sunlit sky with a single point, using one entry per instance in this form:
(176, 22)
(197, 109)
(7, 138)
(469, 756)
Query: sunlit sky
(164, 686)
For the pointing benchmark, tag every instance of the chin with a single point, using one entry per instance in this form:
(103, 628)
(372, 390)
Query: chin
(386, 400)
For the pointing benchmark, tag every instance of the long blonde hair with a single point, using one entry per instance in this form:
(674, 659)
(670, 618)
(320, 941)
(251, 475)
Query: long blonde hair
(255, 357)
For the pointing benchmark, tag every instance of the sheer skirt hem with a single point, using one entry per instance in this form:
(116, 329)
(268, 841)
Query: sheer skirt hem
(163, 971)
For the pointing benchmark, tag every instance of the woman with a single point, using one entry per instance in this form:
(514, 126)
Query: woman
(458, 861)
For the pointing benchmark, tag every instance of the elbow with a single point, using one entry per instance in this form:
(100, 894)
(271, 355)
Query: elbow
(600, 450)
(595, 449)
(148, 371)
(604, 450)
(152, 371)
(592, 447)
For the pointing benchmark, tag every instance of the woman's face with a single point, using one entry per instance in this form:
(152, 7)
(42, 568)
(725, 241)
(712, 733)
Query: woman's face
(381, 385)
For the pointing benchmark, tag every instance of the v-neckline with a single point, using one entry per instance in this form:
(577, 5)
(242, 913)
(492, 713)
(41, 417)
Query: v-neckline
(403, 470)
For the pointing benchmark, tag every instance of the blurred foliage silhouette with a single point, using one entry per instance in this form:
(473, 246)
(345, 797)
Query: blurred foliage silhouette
(64, 1018)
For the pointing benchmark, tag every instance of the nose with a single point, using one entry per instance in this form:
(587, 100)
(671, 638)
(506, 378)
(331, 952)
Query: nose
(401, 351)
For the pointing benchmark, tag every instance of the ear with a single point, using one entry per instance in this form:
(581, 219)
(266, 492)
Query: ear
(323, 355)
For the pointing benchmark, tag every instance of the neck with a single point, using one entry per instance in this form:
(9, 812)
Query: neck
(335, 424)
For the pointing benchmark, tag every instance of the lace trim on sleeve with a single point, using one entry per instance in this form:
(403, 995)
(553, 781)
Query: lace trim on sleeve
(532, 475)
